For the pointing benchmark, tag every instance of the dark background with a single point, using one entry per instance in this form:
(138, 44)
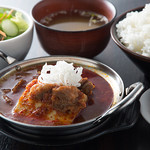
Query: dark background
(136, 137)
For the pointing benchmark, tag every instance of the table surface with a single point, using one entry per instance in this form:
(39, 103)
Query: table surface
(136, 137)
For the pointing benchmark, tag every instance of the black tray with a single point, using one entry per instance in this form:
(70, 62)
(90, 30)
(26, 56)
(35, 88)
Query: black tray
(120, 121)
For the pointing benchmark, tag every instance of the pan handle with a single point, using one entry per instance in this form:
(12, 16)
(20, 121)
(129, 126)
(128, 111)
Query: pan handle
(7, 58)
(132, 92)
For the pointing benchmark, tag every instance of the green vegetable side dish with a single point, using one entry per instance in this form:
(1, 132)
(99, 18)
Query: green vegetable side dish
(12, 24)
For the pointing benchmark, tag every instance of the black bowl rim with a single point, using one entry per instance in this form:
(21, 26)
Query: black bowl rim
(109, 23)
(116, 40)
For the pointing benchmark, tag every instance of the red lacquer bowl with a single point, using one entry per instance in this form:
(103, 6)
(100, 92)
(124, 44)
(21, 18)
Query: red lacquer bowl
(87, 43)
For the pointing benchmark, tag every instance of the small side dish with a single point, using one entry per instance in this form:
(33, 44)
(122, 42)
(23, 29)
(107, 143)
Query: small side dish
(52, 95)
(133, 31)
(12, 23)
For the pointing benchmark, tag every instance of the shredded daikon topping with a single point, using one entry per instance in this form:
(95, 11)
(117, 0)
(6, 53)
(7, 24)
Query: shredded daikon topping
(62, 73)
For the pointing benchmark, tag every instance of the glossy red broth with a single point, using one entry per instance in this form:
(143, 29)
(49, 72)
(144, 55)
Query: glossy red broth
(98, 102)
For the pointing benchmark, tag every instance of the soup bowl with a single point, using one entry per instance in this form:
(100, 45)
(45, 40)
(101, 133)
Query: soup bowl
(18, 46)
(85, 43)
(109, 75)
(141, 61)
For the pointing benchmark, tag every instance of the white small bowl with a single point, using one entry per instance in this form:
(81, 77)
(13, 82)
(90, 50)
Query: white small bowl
(18, 46)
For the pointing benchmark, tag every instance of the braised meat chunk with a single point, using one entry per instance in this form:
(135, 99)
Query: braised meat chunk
(17, 87)
(68, 99)
(8, 100)
(56, 103)
(41, 92)
(86, 86)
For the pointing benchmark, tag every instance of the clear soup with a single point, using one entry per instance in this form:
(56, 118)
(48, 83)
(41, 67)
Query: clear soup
(74, 21)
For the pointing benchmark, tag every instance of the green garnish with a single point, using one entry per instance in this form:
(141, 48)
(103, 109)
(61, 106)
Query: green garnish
(12, 24)
(20, 22)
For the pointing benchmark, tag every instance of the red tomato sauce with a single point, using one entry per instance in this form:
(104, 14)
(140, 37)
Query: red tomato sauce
(100, 101)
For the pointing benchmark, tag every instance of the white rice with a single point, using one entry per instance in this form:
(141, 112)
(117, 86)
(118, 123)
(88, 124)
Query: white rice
(62, 73)
(134, 31)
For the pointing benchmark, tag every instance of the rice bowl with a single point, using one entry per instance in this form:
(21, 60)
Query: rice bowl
(141, 61)
(133, 31)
